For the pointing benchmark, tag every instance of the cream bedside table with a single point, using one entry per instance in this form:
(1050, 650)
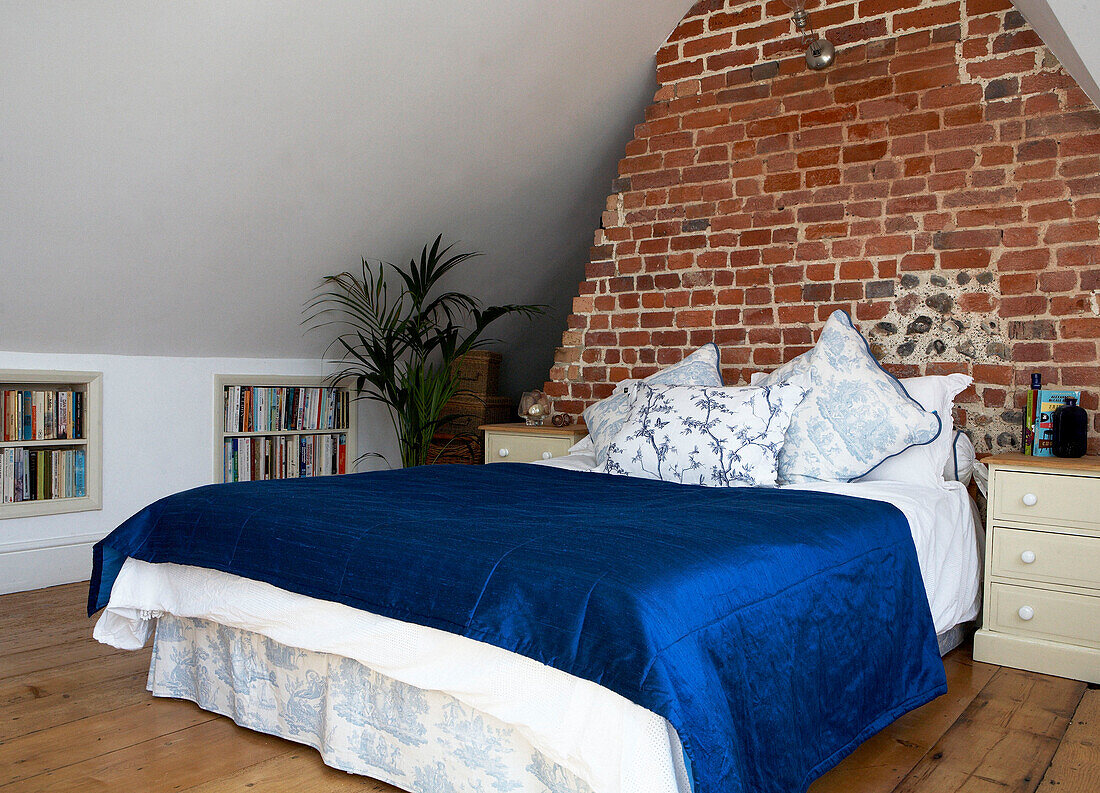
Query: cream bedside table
(1042, 566)
(518, 443)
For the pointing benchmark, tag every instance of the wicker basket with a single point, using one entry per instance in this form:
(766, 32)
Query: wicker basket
(474, 411)
(478, 372)
(447, 450)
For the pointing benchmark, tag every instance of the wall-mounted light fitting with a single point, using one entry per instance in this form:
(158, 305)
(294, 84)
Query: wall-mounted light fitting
(820, 54)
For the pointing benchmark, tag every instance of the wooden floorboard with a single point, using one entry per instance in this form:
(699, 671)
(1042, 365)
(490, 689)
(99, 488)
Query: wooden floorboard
(1076, 764)
(299, 770)
(51, 710)
(211, 750)
(1004, 740)
(65, 679)
(75, 716)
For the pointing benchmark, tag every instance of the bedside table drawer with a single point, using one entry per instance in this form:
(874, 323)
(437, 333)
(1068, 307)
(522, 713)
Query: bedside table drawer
(1047, 498)
(1046, 557)
(515, 447)
(1058, 616)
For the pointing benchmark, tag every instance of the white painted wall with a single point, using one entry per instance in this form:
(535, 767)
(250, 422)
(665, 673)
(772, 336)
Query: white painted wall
(158, 419)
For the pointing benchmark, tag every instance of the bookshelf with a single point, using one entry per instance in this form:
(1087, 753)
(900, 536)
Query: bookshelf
(52, 423)
(282, 427)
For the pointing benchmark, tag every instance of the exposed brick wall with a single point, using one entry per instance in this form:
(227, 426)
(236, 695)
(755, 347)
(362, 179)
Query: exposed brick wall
(940, 182)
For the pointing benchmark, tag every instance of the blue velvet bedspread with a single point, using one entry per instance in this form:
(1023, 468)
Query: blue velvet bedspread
(774, 629)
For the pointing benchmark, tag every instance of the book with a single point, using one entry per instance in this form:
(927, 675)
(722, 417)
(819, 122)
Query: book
(63, 414)
(49, 415)
(1047, 402)
(11, 414)
(79, 490)
(26, 411)
(9, 468)
(78, 414)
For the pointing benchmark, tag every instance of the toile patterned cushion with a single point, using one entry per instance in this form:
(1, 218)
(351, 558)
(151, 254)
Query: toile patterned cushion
(606, 417)
(925, 464)
(856, 414)
(717, 437)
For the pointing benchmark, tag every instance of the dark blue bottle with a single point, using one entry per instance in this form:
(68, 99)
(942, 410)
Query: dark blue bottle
(1071, 428)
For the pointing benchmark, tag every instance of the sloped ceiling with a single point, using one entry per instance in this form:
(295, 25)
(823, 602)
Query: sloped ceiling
(175, 177)
(1071, 28)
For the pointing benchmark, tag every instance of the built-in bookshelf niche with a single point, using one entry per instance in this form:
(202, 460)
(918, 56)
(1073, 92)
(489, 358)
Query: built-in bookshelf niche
(282, 428)
(51, 454)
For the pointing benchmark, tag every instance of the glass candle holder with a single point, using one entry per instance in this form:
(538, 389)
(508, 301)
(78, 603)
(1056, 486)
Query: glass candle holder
(534, 408)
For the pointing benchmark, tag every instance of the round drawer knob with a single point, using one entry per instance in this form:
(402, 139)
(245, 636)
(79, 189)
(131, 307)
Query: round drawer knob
(546, 455)
(1026, 613)
(503, 452)
(1030, 499)
(1027, 557)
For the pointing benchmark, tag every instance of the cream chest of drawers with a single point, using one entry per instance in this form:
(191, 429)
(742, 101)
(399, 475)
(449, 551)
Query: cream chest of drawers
(1042, 566)
(519, 443)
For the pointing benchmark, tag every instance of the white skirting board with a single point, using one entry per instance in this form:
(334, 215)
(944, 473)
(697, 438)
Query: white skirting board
(43, 563)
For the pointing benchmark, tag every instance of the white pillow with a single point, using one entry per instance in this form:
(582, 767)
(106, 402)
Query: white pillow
(606, 417)
(856, 414)
(583, 446)
(960, 465)
(924, 465)
(717, 437)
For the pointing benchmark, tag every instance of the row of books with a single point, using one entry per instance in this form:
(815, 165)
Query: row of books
(284, 457)
(274, 409)
(42, 415)
(1038, 435)
(39, 474)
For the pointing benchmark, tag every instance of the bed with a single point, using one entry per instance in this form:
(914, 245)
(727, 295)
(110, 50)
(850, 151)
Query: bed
(594, 623)
(458, 711)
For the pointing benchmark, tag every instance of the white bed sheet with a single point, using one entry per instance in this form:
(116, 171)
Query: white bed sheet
(609, 742)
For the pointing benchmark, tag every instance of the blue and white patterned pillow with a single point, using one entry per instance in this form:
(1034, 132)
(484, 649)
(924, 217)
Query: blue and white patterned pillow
(606, 417)
(716, 437)
(856, 414)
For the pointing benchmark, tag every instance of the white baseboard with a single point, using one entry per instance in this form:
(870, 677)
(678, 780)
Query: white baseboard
(42, 563)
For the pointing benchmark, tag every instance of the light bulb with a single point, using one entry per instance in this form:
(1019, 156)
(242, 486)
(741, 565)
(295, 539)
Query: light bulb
(820, 54)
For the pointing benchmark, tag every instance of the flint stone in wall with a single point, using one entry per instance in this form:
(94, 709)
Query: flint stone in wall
(921, 324)
(906, 303)
(950, 333)
(941, 301)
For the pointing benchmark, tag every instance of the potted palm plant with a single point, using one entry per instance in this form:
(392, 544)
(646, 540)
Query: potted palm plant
(398, 335)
